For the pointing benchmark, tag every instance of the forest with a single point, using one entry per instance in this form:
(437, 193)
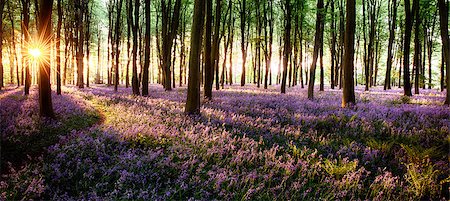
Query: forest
(224, 100)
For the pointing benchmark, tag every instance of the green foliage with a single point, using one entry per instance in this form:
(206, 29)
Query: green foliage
(340, 167)
(422, 179)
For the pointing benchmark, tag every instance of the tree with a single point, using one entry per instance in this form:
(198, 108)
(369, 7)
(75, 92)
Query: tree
(417, 49)
(348, 92)
(208, 69)
(116, 44)
(26, 35)
(2, 5)
(216, 42)
(333, 45)
(244, 43)
(193, 94)
(443, 15)
(58, 48)
(319, 21)
(79, 13)
(268, 39)
(135, 28)
(45, 35)
(146, 50)
(392, 5)
(287, 42)
(408, 28)
(170, 17)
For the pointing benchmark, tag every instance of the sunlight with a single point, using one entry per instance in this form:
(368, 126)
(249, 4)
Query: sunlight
(35, 53)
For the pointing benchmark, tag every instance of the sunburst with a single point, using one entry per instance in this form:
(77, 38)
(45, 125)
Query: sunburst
(38, 50)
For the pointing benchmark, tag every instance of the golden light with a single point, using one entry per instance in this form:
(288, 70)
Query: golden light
(35, 52)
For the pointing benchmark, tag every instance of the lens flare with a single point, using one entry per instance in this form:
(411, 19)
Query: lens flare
(35, 52)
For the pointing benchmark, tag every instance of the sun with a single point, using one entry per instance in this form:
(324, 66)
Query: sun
(35, 52)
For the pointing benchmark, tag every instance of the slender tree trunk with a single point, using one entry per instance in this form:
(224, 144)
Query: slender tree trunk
(392, 5)
(193, 94)
(45, 32)
(417, 50)
(430, 50)
(129, 25)
(216, 42)
(231, 52)
(2, 5)
(348, 92)
(408, 28)
(207, 52)
(80, 43)
(443, 16)
(99, 64)
(319, 21)
(333, 45)
(442, 69)
(117, 44)
(25, 26)
(58, 49)
(88, 38)
(244, 43)
(146, 49)
(287, 43)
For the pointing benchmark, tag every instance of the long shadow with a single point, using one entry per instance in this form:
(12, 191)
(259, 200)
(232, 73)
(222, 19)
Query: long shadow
(294, 116)
(20, 146)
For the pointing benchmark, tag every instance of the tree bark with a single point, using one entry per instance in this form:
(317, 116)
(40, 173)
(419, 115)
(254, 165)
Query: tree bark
(244, 44)
(443, 16)
(2, 6)
(417, 50)
(193, 94)
(208, 60)
(146, 49)
(319, 21)
(117, 44)
(392, 5)
(408, 28)
(287, 43)
(45, 33)
(348, 92)
(216, 42)
(25, 26)
(58, 49)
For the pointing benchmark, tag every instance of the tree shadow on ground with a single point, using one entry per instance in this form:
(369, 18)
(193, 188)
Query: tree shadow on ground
(20, 146)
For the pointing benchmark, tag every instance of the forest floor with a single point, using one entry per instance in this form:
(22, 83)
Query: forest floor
(249, 143)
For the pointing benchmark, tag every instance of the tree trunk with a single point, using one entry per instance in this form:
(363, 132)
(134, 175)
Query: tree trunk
(319, 21)
(88, 38)
(408, 28)
(417, 50)
(146, 49)
(117, 44)
(2, 5)
(443, 16)
(170, 21)
(244, 44)
(333, 45)
(45, 32)
(216, 42)
(193, 94)
(129, 25)
(58, 49)
(80, 43)
(25, 27)
(207, 52)
(392, 5)
(287, 43)
(348, 92)
(98, 70)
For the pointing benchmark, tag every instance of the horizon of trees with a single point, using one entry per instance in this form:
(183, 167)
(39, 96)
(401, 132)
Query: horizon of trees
(261, 42)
